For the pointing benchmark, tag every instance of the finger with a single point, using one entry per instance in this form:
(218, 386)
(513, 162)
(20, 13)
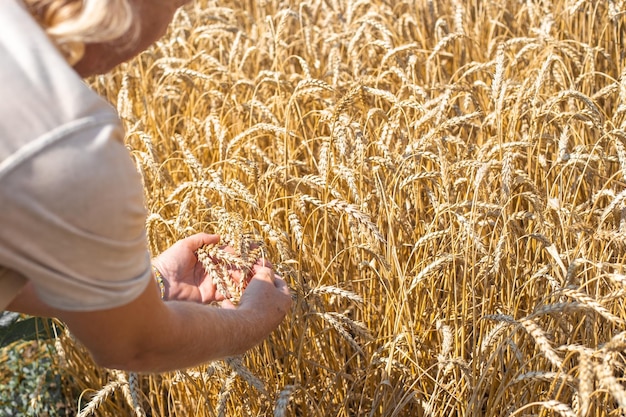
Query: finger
(279, 282)
(263, 273)
(200, 239)
(227, 249)
(282, 286)
(264, 262)
(227, 304)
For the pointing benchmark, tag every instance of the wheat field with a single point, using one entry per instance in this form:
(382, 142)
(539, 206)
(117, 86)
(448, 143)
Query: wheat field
(441, 183)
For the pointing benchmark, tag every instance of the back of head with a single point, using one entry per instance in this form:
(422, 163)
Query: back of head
(70, 24)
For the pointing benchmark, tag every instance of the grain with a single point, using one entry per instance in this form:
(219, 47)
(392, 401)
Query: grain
(99, 398)
(280, 410)
(542, 342)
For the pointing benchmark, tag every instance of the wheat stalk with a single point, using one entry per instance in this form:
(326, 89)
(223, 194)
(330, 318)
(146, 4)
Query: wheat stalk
(100, 397)
(342, 293)
(539, 335)
(586, 378)
(225, 393)
(284, 397)
(236, 364)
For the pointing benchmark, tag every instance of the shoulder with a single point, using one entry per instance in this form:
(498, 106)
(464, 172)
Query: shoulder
(74, 221)
(40, 90)
(85, 176)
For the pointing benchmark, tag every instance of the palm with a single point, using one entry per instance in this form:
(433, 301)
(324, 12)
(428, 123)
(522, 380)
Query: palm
(186, 277)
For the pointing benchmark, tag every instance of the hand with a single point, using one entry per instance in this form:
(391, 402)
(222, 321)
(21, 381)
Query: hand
(186, 278)
(266, 298)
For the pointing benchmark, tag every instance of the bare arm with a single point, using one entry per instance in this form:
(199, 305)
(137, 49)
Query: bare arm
(151, 336)
(148, 335)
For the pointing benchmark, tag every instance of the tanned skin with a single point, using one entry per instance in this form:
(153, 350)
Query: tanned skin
(148, 334)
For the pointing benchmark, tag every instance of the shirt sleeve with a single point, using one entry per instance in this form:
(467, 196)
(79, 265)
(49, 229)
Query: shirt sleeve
(73, 219)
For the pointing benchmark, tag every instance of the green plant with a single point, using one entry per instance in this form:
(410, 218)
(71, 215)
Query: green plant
(14, 327)
(30, 383)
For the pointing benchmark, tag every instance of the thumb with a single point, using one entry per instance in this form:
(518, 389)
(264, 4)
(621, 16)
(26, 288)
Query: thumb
(227, 304)
(200, 239)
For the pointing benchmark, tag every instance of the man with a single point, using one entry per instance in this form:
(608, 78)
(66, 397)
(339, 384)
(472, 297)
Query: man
(72, 234)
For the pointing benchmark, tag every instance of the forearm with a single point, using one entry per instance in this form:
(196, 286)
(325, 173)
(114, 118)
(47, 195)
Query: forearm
(189, 334)
(149, 335)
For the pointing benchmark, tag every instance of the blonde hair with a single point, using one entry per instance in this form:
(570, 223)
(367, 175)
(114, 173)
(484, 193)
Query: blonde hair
(72, 23)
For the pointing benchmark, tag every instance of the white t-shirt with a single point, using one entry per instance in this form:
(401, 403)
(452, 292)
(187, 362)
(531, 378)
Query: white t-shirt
(72, 215)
